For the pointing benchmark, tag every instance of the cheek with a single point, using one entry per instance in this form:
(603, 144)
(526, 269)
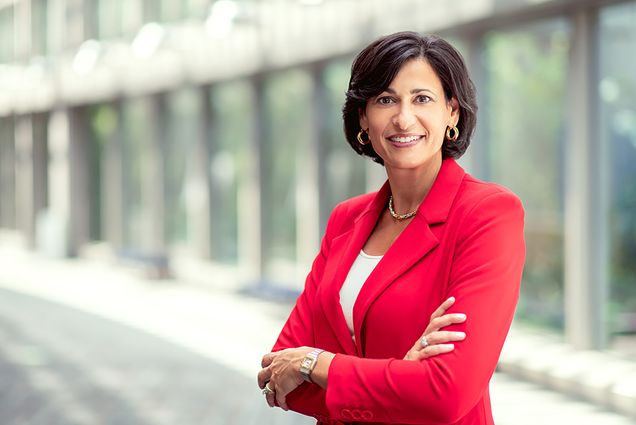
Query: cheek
(376, 124)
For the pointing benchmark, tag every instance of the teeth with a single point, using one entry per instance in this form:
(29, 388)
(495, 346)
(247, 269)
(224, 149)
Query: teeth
(405, 139)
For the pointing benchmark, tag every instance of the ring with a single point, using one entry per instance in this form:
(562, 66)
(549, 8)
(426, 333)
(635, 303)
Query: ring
(424, 342)
(267, 390)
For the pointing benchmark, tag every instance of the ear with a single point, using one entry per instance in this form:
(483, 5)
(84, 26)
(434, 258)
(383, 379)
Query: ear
(364, 123)
(454, 110)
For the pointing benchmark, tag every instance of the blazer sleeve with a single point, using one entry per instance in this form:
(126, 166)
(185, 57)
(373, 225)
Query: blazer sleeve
(485, 276)
(298, 331)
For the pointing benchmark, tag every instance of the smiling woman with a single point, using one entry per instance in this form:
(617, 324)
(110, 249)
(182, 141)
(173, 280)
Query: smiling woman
(407, 122)
(408, 303)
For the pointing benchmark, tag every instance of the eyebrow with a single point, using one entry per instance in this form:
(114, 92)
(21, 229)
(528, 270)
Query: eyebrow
(390, 90)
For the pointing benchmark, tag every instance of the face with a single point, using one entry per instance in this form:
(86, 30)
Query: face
(407, 122)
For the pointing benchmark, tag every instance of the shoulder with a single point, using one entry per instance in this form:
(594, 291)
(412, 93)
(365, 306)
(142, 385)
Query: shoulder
(344, 215)
(350, 209)
(475, 194)
(480, 206)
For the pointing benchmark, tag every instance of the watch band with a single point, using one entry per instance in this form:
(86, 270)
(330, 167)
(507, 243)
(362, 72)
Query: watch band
(309, 363)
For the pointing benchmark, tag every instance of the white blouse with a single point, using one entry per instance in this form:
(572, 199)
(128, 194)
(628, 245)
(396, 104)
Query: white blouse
(358, 274)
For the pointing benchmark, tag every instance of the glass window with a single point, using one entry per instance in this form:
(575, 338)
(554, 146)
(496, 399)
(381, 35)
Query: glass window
(197, 9)
(151, 11)
(173, 10)
(7, 173)
(132, 19)
(228, 147)
(344, 168)
(287, 97)
(7, 32)
(182, 133)
(524, 114)
(103, 124)
(617, 90)
(136, 133)
(110, 18)
(39, 27)
(40, 132)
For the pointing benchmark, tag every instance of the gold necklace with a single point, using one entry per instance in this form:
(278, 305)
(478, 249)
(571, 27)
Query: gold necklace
(399, 216)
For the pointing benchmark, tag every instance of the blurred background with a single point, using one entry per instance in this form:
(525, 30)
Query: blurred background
(167, 168)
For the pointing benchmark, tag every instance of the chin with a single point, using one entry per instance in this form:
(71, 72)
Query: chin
(411, 163)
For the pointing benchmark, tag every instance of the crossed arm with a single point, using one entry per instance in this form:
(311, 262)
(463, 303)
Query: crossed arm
(281, 369)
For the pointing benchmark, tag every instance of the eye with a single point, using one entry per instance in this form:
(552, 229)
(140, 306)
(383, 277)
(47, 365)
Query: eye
(422, 98)
(385, 100)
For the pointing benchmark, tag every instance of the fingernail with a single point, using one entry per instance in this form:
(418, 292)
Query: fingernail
(461, 335)
(451, 299)
(461, 316)
(447, 347)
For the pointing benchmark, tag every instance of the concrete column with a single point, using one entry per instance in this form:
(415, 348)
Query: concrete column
(78, 171)
(112, 189)
(154, 181)
(585, 203)
(22, 38)
(67, 222)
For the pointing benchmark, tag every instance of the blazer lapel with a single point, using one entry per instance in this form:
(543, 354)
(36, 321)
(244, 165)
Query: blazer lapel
(415, 241)
(345, 248)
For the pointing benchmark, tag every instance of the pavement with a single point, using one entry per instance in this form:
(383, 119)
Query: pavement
(89, 342)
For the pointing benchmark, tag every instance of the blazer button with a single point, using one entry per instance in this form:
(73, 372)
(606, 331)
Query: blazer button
(346, 414)
(367, 415)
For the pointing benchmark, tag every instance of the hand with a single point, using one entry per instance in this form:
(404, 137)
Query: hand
(281, 374)
(438, 341)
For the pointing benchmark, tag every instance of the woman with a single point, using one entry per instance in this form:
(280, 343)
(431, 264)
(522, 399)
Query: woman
(408, 303)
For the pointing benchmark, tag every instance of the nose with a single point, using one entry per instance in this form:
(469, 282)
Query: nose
(404, 118)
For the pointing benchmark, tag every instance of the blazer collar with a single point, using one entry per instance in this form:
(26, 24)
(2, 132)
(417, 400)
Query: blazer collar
(437, 204)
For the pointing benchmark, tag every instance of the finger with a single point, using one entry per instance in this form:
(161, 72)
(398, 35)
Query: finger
(267, 359)
(263, 377)
(281, 400)
(432, 351)
(440, 337)
(271, 400)
(445, 320)
(443, 307)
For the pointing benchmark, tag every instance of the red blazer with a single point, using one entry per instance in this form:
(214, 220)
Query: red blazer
(465, 241)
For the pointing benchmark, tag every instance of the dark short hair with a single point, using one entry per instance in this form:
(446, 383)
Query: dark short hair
(377, 65)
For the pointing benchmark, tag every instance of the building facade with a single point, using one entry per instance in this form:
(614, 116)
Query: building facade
(211, 130)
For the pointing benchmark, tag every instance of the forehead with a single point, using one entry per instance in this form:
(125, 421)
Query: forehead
(416, 73)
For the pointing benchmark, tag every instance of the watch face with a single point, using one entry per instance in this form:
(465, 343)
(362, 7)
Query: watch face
(306, 363)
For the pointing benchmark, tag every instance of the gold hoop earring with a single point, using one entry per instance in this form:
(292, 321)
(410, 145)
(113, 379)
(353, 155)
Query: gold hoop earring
(455, 133)
(360, 139)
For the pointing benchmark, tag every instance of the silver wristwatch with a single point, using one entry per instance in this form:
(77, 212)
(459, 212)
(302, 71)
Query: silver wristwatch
(309, 363)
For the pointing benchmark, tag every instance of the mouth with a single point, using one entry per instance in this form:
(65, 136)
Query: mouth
(404, 140)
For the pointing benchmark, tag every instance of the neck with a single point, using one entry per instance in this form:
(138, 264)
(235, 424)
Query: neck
(410, 186)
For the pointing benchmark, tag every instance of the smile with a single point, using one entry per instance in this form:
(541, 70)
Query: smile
(404, 141)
